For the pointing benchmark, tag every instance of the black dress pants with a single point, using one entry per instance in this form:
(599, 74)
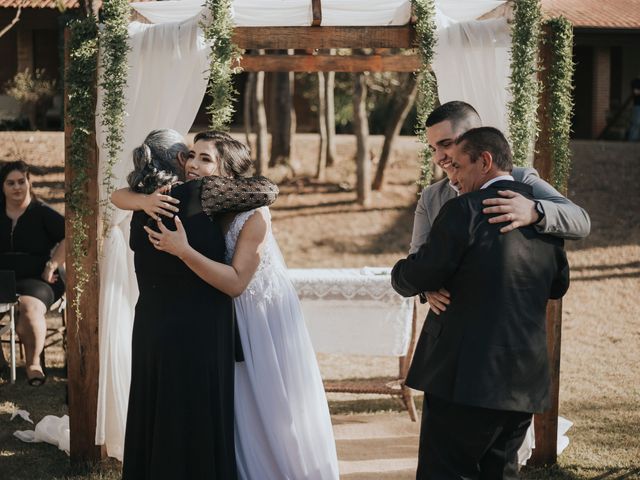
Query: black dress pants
(470, 443)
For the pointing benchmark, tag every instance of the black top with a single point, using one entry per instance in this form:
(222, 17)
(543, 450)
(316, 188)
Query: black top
(489, 348)
(180, 414)
(26, 249)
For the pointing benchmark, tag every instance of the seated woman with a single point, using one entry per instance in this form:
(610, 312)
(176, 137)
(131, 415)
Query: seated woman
(32, 245)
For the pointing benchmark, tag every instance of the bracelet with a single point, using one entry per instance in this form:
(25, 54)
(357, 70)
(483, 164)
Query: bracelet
(51, 265)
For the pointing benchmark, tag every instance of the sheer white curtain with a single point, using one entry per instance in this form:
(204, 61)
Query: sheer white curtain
(472, 63)
(257, 13)
(168, 64)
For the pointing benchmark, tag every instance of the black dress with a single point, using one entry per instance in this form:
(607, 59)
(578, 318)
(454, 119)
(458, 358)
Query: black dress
(27, 247)
(180, 415)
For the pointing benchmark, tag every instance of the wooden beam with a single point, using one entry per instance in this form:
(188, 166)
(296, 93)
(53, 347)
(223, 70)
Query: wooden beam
(282, 38)
(82, 335)
(330, 63)
(546, 424)
(316, 5)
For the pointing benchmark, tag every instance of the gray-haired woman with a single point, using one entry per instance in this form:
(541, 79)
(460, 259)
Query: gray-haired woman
(180, 414)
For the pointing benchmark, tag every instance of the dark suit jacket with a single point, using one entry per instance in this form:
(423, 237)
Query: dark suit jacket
(489, 348)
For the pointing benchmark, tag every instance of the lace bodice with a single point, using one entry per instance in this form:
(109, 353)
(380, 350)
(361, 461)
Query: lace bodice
(271, 269)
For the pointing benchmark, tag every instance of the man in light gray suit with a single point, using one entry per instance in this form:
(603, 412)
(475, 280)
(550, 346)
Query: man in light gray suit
(550, 212)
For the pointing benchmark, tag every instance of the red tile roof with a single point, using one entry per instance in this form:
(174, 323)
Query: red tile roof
(596, 13)
(39, 3)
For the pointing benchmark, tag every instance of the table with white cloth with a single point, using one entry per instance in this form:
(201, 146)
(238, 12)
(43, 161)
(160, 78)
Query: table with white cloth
(355, 311)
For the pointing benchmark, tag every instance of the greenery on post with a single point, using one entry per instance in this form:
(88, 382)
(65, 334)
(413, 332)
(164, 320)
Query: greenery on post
(224, 54)
(560, 107)
(114, 48)
(525, 87)
(425, 12)
(80, 80)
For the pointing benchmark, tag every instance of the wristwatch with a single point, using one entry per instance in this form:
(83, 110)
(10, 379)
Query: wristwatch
(539, 210)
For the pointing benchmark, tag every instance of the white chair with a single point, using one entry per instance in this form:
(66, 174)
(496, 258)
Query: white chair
(8, 302)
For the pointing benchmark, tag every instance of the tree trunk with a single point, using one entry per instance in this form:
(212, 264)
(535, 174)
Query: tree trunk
(322, 126)
(283, 115)
(403, 100)
(262, 153)
(331, 115)
(361, 127)
(247, 108)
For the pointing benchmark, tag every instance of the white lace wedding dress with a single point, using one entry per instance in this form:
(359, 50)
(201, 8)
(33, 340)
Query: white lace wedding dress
(283, 428)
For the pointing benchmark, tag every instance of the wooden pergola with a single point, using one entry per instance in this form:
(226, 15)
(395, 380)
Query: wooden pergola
(386, 41)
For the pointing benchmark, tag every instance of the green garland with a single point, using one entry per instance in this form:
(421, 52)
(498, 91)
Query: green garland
(525, 34)
(560, 105)
(224, 54)
(114, 46)
(425, 12)
(80, 77)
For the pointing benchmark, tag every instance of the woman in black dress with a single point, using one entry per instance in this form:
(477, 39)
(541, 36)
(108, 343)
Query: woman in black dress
(32, 245)
(180, 416)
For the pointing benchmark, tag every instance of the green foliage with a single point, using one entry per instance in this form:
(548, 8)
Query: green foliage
(114, 46)
(223, 56)
(560, 105)
(31, 87)
(425, 12)
(525, 35)
(80, 78)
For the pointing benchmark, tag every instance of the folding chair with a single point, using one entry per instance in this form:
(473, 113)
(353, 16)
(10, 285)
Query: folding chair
(8, 302)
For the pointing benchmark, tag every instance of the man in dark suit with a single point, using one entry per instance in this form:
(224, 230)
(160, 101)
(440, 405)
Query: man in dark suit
(482, 363)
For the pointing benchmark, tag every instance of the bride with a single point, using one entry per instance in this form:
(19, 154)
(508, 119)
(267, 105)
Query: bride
(282, 423)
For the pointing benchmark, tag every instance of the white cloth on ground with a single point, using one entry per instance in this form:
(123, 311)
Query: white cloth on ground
(283, 427)
(51, 429)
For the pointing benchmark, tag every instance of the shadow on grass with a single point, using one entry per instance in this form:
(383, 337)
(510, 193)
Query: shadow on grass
(386, 403)
(575, 472)
(395, 238)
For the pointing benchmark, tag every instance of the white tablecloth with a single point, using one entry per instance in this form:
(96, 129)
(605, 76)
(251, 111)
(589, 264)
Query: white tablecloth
(354, 311)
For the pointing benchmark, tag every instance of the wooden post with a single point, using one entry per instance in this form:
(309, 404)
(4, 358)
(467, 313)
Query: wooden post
(82, 336)
(361, 127)
(546, 424)
(316, 6)
(321, 168)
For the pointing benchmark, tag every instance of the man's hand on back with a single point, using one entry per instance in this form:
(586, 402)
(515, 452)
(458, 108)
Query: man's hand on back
(438, 301)
(514, 208)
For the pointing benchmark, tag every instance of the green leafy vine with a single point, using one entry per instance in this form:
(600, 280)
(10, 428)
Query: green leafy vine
(224, 55)
(80, 78)
(525, 35)
(425, 12)
(560, 107)
(114, 47)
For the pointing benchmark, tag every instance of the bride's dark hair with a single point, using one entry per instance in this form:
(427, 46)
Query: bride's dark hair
(155, 162)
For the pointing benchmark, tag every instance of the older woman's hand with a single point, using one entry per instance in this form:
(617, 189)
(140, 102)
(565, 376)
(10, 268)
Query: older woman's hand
(174, 242)
(158, 203)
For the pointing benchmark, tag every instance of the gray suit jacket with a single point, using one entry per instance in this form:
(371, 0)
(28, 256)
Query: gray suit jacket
(562, 217)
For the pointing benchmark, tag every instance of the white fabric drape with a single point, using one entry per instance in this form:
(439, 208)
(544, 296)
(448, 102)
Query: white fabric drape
(165, 87)
(262, 13)
(472, 63)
